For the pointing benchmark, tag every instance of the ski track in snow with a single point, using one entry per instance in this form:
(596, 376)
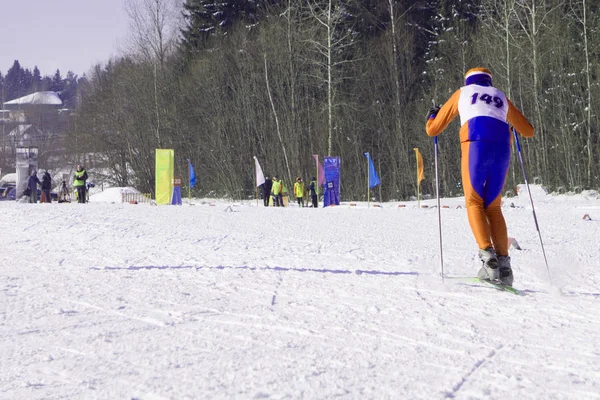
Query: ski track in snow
(135, 301)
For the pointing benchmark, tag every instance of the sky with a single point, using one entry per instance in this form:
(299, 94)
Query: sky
(61, 34)
(229, 300)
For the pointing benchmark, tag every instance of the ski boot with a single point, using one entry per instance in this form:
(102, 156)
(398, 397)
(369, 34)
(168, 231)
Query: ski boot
(506, 274)
(489, 270)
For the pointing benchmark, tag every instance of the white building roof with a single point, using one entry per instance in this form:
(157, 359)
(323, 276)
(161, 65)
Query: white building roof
(38, 98)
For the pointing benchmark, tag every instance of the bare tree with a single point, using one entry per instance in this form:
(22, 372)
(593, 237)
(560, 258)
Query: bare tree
(287, 164)
(329, 14)
(532, 18)
(153, 28)
(579, 9)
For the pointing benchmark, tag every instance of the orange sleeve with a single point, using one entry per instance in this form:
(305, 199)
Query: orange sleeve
(518, 121)
(446, 114)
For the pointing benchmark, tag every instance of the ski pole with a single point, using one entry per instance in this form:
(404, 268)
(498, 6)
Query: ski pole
(437, 194)
(531, 200)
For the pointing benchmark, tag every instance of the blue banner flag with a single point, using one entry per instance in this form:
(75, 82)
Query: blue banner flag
(373, 178)
(192, 175)
(332, 173)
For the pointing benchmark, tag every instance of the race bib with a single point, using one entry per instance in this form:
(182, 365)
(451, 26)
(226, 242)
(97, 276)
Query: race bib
(481, 101)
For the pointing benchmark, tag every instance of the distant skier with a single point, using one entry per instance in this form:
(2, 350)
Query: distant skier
(485, 114)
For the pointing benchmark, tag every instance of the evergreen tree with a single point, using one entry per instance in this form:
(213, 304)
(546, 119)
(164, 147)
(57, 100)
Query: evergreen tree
(2, 89)
(14, 80)
(46, 83)
(57, 84)
(69, 92)
(36, 81)
(206, 18)
(27, 81)
(195, 31)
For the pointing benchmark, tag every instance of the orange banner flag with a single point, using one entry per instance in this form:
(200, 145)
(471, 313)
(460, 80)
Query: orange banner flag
(420, 168)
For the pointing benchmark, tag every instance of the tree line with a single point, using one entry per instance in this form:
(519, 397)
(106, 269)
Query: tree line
(285, 79)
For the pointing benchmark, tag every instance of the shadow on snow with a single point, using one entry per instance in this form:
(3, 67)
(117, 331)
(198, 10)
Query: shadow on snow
(285, 269)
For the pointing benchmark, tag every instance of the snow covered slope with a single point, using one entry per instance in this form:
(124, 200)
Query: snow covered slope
(221, 300)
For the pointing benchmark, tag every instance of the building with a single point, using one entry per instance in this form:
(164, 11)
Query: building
(36, 120)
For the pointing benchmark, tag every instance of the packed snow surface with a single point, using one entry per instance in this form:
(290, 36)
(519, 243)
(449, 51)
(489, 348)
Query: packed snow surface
(220, 300)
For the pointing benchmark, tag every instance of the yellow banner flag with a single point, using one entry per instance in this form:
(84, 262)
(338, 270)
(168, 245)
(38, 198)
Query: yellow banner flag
(420, 168)
(165, 166)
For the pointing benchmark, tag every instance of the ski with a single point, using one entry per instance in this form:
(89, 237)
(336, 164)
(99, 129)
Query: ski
(499, 286)
(493, 284)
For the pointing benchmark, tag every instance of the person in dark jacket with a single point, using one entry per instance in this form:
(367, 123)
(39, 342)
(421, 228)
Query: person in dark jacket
(32, 183)
(79, 183)
(313, 192)
(267, 191)
(46, 187)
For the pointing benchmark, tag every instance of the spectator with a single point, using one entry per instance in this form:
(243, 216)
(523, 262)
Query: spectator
(79, 183)
(32, 183)
(313, 192)
(299, 191)
(276, 192)
(267, 191)
(46, 187)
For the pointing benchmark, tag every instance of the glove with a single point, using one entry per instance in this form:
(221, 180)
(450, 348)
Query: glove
(433, 111)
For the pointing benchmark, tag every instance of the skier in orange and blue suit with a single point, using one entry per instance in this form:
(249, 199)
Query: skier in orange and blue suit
(485, 118)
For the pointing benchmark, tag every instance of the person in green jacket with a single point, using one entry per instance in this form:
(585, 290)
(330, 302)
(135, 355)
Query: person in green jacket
(79, 183)
(276, 192)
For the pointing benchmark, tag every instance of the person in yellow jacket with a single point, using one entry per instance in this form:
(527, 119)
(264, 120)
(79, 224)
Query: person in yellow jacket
(276, 192)
(299, 191)
(485, 118)
(79, 183)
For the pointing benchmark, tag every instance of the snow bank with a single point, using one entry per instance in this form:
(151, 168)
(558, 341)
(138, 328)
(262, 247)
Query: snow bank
(112, 195)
